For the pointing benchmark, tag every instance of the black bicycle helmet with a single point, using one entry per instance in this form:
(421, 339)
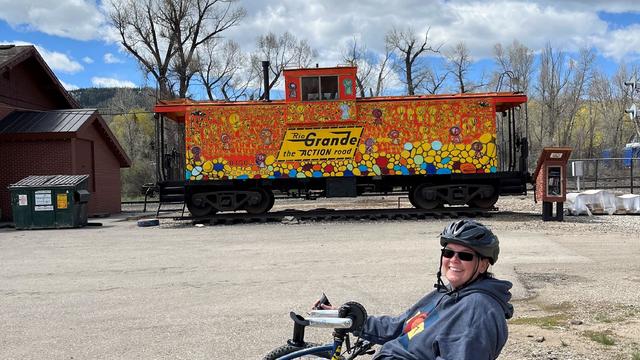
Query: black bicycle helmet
(473, 235)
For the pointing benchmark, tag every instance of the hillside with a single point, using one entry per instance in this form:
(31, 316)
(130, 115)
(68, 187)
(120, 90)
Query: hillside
(112, 101)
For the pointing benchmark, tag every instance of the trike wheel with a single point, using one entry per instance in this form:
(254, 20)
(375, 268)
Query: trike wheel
(288, 349)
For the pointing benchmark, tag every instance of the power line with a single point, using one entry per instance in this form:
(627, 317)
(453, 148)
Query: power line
(78, 110)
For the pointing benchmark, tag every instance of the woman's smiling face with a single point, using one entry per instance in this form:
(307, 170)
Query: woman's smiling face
(459, 272)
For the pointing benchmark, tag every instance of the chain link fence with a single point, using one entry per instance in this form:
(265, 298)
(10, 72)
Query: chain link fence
(604, 173)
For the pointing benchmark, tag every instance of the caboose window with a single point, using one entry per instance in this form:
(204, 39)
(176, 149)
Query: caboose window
(329, 87)
(310, 88)
(319, 88)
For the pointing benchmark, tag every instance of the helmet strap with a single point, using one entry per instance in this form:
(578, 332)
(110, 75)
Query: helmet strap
(439, 285)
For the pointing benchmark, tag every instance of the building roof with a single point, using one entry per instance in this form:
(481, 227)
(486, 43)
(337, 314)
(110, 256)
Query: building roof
(58, 124)
(20, 122)
(12, 55)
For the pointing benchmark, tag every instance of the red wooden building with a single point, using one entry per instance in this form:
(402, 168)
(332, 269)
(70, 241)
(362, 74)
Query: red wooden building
(42, 132)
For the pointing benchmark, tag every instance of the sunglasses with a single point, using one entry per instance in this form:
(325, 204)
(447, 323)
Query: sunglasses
(464, 256)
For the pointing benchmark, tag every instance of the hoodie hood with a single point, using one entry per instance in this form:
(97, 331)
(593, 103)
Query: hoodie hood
(497, 289)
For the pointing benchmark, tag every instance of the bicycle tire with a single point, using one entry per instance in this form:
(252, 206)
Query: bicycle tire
(288, 349)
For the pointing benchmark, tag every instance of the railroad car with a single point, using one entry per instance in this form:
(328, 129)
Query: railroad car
(322, 140)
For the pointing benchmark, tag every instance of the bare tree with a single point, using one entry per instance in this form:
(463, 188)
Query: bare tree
(281, 52)
(194, 22)
(145, 39)
(612, 99)
(434, 81)
(602, 98)
(410, 50)
(223, 70)
(516, 62)
(458, 63)
(561, 87)
(382, 70)
(163, 35)
(577, 89)
(553, 78)
(372, 70)
(356, 55)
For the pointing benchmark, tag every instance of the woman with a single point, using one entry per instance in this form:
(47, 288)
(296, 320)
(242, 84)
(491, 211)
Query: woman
(465, 319)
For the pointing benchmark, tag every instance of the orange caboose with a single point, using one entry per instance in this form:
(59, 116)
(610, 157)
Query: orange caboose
(321, 139)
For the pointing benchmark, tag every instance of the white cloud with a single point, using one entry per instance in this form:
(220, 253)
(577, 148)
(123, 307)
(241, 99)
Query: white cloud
(69, 87)
(57, 61)
(111, 82)
(73, 19)
(330, 24)
(109, 58)
(621, 43)
(87, 60)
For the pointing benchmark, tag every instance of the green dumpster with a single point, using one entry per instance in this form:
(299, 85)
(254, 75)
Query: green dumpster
(50, 201)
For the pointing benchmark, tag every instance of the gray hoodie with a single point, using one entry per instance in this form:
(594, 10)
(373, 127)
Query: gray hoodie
(465, 324)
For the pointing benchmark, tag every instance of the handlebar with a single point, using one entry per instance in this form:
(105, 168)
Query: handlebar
(333, 323)
(329, 320)
(324, 313)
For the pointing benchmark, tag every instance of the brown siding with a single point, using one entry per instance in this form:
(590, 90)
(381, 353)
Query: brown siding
(105, 197)
(24, 88)
(23, 158)
(5, 108)
(91, 156)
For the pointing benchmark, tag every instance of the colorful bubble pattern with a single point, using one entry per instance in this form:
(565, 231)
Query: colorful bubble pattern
(399, 138)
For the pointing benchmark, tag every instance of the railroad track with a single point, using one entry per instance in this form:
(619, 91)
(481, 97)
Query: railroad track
(338, 215)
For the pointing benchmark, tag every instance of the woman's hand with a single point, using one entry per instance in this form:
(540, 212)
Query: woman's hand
(323, 304)
(319, 306)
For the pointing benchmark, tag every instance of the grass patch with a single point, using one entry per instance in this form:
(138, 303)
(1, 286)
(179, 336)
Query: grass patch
(635, 356)
(620, 314)
(600, 337)
(561, 307)
(605, 318)
(545, 322)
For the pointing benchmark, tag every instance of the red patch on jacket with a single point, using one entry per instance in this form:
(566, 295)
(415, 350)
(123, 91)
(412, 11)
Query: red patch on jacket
(416, 320)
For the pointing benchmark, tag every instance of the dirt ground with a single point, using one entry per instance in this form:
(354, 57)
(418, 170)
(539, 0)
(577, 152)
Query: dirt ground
(178, 291)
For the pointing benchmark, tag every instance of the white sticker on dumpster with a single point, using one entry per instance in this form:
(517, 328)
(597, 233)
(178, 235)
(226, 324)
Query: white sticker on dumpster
(43, 197)
(43, 200)
(23, 200)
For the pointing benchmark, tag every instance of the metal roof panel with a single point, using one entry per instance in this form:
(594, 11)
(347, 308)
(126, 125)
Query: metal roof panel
(57, 121)
(50, 180)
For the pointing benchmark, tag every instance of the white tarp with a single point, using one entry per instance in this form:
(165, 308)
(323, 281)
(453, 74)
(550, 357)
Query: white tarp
(628, 204)
(591, 202)
(602, 202)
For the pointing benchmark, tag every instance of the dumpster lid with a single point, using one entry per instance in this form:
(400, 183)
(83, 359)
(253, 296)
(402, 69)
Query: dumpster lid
(83, 195)
(50, 180)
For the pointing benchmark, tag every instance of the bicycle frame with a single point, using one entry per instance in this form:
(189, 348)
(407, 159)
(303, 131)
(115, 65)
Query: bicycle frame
(322, 319)
(313, 350)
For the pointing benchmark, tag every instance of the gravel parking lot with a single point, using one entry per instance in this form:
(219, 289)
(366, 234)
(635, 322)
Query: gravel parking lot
(178, 291)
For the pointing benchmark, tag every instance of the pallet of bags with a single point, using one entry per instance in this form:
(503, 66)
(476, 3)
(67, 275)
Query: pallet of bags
(628, 204)
(591, 202)
(575, 204)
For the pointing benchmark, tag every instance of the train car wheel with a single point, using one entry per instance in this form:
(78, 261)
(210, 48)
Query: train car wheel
(260, 201)
(424, 197)
(411, 198)
(199, 206)
(486, 202)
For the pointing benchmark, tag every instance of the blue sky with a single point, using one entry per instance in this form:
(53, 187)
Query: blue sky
(75, 40)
